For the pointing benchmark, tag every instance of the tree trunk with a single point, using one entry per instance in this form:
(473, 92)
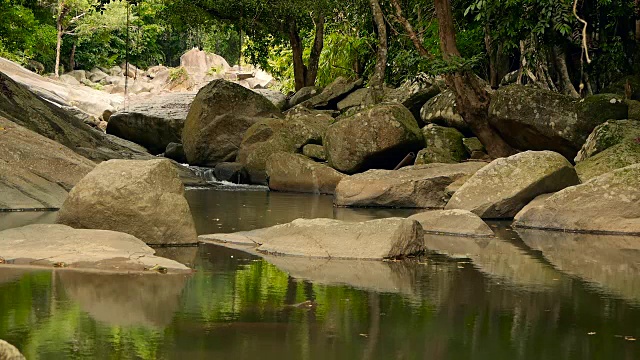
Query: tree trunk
(316, 50)
(376, 83)
(472, 99)
(58, 46)
(563, 73)
(299, 68)
(72, 57)
(417, 41)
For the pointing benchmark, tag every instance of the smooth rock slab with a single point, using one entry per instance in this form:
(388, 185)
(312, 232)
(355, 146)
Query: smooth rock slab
(298, 173)
(335, 239)
(457, 222)
(609, 203)
(79, 248)
(505, 186)
(419, 186)
(141, 198)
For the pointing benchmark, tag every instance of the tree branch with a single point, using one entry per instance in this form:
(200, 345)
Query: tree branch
(417, 41)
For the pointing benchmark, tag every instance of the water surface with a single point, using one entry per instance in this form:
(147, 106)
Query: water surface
(524, 295)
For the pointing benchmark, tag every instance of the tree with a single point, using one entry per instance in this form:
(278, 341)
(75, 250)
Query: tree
(376, 83)
(68, 13)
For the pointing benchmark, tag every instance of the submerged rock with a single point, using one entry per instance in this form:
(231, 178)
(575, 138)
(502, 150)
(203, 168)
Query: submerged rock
(456, 222)
(218, 118)
(335, 239)
(378, 137)
(35, 172)
(505, 186)
(609, 203)
(63, 246)
(534, 119)
(443, 145)
(298, 173)
(9, 352)
(419, 186)
(141, 198)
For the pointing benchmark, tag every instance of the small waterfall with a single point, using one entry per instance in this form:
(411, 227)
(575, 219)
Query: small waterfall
(204, 173)
(208, 175)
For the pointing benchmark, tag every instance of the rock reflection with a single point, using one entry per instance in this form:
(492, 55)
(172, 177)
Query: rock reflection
(10, 220)
(386, 277)
(497, 258)
(125, 300)
(612, 262)
(184, 255)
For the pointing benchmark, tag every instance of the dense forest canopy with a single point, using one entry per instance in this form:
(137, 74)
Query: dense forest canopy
(310, 42)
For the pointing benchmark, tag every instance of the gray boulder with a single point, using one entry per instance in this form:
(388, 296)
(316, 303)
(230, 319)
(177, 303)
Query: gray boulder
(314, 151)
(611, 133)
(96, 75)
(154, 122)
(218, 118)
(69, 80)
(377, 137)
(231, 172)
(298, 173)
(276, 97)
(141, 198)
(506, 185)
(335, 239)
(79, 75)
(356, 99)
(442, 110)
(414, 93)
(443, 145)
(534, 119)
(303, 95)
(175, 151)
(453, 222)
(609, 203)
(419, 186)
(329, 98)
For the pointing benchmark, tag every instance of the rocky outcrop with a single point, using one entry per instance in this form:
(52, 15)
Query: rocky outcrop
(9, 352)
(152, 122)
(443, 145)
(46, 245)
(335, 239)
(269, 136)
(534, 119)
(35, 172)
(298, 173)
(505, 186)
(420, 186)
(454, 222)
(141, 198)
(612, 145)
(219, 116)
(333, 94)
(203, 67)
(375, 138)
(442, 110)
(303, 95)
(609, 203)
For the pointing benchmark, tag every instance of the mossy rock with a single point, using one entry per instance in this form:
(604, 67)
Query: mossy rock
(443, 145)
(615, 157)
(609, 134)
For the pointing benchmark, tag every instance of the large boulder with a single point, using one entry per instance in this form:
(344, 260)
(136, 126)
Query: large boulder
(453, 222)
(609, 203)
(9, 352)
(442, 109)
(534, 119)
(298, 173)
(201, 65)
(153, 122)
(219, 116)
(377, 137)
(419, 186)
(505, 186)
(329, 98)
(270, 136)
(141, 198)
(414, 93)
(335, 239)
(35, 172)
(443, 145)
(612, 145)
(356, 99)
(303, 95)
(231, 172)
(314, 151)
(276, 97)
(175, 151)
(49, 244)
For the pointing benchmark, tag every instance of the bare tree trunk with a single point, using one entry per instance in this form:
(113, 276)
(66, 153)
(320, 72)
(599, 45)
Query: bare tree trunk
(316, 51)
(563, 73)
(58, 46)
(472, 99)
(417, 41)
(72, 57)
(299, 68)
(376, 84)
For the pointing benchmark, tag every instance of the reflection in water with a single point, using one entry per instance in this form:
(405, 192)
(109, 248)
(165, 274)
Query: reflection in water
(507, 304)
(609, 261)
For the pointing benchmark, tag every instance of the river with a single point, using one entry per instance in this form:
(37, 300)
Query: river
(522, 295)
